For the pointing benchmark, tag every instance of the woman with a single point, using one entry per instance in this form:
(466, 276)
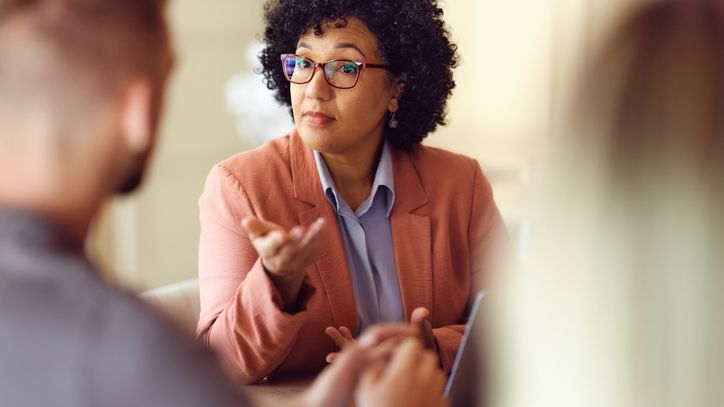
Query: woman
(347, 221)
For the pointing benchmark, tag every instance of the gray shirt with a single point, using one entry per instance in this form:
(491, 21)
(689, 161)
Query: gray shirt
(67, 339)
(367, 239)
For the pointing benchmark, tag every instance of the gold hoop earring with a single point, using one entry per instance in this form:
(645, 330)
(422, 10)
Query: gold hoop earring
(393, 123)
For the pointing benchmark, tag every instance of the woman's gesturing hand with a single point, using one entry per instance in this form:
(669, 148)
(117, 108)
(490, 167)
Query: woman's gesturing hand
(285, 254)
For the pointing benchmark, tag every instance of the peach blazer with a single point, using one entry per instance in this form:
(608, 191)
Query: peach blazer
(444, 223)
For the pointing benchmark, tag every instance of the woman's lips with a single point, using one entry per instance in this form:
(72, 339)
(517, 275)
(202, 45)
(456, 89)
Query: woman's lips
(317, 119)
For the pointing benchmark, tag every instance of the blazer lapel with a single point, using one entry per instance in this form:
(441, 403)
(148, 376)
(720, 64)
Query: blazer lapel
(332, 263)
(411, 235)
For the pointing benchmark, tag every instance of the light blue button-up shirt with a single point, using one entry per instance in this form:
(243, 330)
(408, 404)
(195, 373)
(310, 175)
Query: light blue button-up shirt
(367, 239)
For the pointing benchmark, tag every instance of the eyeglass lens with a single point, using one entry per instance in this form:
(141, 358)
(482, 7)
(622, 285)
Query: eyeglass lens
(340, 73)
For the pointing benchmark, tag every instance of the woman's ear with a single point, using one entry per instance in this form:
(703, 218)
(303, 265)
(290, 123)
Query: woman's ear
(136, 116)
(398, 88)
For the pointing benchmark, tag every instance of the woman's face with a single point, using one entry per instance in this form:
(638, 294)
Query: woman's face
(343, 121)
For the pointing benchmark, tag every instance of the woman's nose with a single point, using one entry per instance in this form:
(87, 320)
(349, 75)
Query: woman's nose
(318, 88)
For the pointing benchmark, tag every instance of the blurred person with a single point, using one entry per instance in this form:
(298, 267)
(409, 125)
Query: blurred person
(347, 221)
(622, 302)
(81, 89)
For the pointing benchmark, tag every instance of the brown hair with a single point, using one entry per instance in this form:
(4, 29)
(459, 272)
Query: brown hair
(63, 49)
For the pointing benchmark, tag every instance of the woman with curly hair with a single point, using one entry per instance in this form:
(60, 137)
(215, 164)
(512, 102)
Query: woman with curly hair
(348, 221)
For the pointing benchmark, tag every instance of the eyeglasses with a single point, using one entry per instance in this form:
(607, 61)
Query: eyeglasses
(340, 73)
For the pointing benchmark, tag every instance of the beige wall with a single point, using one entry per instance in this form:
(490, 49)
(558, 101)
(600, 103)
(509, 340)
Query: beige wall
(518, 59)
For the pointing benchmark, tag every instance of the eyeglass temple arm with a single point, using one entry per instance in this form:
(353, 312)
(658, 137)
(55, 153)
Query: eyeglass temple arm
(376, 66)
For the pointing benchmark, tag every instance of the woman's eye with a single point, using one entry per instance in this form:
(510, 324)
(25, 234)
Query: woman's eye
(303, 63)
(349, 68)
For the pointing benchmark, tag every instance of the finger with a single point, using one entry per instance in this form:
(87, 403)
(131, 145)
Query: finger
(307, 251)
(419, 314)
(337, 337)
(404, 360)
(395, 341)
(253, 226)
(381, 352)
(270, 245)
(314, 232)
(296, 234)
(346, 333)
(384, 350)
(290, 256)
(295, 255)
(380, 333)
(257, 227)
(332, 356)
(312, 244)
(426, 335)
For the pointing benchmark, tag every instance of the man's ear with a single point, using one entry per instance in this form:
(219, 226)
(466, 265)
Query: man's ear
(398, 88)
(136, 115)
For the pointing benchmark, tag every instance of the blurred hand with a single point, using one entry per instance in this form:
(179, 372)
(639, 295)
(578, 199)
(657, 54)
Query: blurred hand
(411, 378)
(336, 385)
(418, 327)
(283, 254)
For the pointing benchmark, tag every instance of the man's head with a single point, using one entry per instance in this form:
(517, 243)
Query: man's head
(84, 75)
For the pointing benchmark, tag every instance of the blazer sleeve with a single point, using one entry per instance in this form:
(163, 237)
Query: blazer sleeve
(241, 315)
(488, 242)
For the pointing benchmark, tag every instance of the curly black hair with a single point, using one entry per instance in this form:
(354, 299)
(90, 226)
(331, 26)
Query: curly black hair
(412, 38)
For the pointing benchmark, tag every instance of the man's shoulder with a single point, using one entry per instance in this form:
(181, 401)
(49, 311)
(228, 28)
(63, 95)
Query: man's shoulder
(124, 322)
(135, 349)
(79, 339)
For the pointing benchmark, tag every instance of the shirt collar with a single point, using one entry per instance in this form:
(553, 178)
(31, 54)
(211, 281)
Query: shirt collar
(384, 177)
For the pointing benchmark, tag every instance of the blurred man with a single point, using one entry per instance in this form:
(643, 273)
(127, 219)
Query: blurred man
(81, 86)
(621, 301)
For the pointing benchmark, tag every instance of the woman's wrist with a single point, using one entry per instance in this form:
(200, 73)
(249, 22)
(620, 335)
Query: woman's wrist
(289, 285)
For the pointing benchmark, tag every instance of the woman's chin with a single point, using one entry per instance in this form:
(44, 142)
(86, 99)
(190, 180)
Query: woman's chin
(321, 139)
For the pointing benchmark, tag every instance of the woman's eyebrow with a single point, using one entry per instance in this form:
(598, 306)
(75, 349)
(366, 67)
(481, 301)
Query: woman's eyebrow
(350, 45)
(338, 46)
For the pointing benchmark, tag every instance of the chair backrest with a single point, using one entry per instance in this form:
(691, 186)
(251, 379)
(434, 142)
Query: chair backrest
(178, 301)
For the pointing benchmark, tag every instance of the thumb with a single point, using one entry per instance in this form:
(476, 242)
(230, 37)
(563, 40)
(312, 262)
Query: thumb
(419, 314)
(255, 226)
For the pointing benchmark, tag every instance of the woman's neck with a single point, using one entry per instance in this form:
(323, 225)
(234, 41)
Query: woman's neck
(354, 174)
